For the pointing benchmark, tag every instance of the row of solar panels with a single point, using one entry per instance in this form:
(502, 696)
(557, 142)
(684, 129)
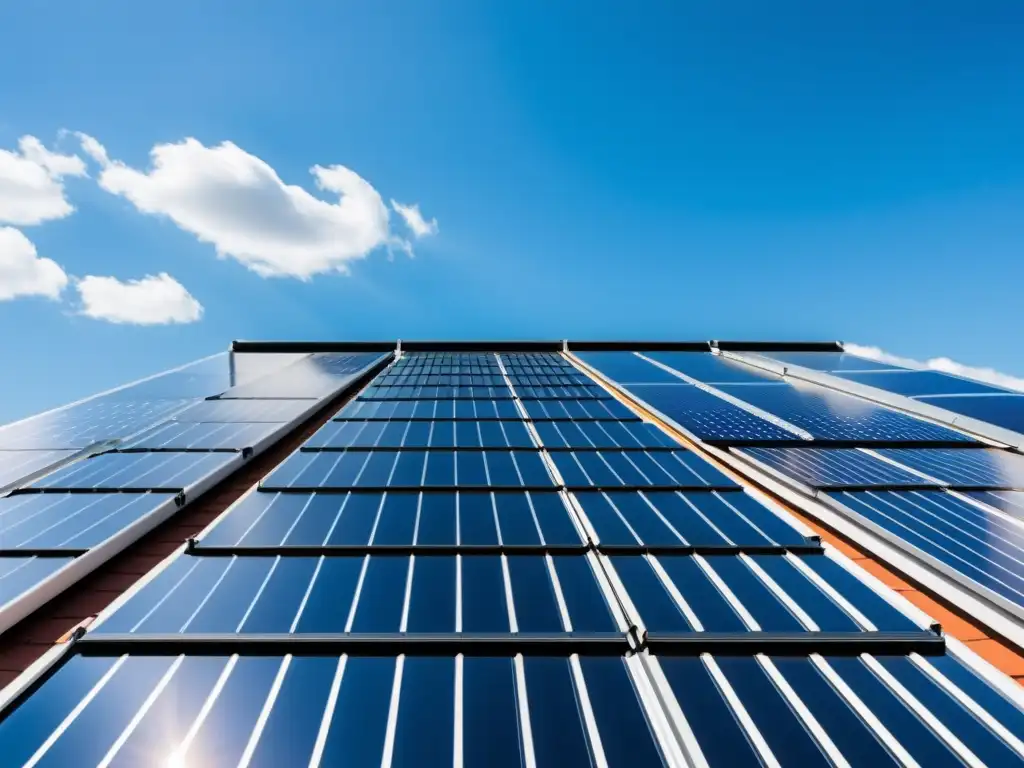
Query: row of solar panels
(141, 472)
(293, 631)
(942, 496)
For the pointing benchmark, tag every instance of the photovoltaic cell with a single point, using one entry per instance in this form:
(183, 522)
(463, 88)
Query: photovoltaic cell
(834, 467)
(965, 468)
(1009, 502)
(829, 415)
(708, 417)
(602, 434)
(337, 435)
(913, 383)
(136, 471)
(982, 546)
(431, 410)
(71, 520)
(577, 410)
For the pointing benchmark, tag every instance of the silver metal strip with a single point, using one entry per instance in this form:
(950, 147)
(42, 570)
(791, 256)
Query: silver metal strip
(587, 712)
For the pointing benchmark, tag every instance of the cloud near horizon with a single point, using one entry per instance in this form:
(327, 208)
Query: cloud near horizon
(943, 364)
(237, 202)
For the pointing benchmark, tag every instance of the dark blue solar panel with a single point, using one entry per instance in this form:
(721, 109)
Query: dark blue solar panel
(1005, 411)
(829, 415)
(602, 434)
(676, 518)
(206, 436)
(627, 368)
(966, 467)
(712, 369)
(919, 383)
(980, 545)
(830, 361)
(638, 469)
(397, 518)
(136, 471)
(577, 410)
(709, 417)
(20, 574)
(758, 583)
(72, 520)
(361, 594)
(421, 434)
(833, 467)
(409, 469)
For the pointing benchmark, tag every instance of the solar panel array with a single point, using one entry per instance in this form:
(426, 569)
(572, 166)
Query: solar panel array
(67, 511)
(485, 560)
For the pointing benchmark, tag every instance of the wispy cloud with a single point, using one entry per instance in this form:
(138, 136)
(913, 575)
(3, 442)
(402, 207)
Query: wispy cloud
(153, 300)
(236, 201)
(23, 272)
(414, 219)
(944, 364)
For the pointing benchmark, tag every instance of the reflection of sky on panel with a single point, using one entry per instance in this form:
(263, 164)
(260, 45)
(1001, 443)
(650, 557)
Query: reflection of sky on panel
(15, 465)
(312, 376)
(1008, 502)
(829, 361)
(974, 467)
(20, 574)
(916, 383)
(825, 467)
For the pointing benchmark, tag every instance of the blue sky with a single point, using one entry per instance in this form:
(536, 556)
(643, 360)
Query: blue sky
(658, 169)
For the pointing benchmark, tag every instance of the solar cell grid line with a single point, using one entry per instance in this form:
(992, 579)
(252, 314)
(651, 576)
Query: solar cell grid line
(16, 467)
(203, 436)
(137, 472)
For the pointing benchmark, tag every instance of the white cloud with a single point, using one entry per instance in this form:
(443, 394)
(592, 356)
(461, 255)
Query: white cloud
(414, 219)
(234, 200)
(944, 364)
(31, 191)
(23, 272)
(153, 300)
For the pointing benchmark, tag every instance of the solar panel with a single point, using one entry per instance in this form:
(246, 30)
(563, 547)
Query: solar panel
(71, 520)
(15, 466)
(412, 586)
(1009, 502)
(244, 411)
(637, 469)
(627, 368)
(830, 361)
(913, 383)
(136, 472)
(833, 416)
(313, 377)
(712, 369)
(204, 436)
(741, 593)
(982, 547)
(468, 519)
(681, 518)
(18, 575)
(963, 468)
(1005, 411)
(709, 417)
(834, 467)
